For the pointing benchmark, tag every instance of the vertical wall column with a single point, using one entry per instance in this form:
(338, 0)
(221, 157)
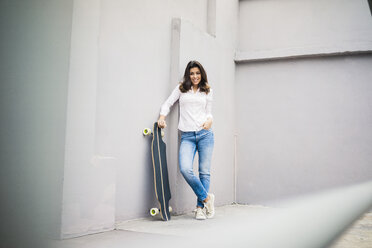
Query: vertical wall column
(89, 178)
(172, 119)
(211, 17)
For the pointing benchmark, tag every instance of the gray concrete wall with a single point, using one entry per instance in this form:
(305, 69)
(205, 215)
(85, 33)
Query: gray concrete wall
(297, 26)
(35, 47)
(302, 123)
(122, 55)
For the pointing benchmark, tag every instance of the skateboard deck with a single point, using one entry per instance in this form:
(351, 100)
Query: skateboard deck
(161, 181)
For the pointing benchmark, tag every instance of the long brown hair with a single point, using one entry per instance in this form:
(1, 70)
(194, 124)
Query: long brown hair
(186, 84)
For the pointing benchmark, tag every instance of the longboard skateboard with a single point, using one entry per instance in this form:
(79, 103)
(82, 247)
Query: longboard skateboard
(161, 181)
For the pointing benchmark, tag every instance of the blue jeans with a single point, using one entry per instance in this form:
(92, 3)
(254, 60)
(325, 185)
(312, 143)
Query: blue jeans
(202, 142)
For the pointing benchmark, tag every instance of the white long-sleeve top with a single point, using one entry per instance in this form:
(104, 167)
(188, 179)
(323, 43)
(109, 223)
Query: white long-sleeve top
(195, 108)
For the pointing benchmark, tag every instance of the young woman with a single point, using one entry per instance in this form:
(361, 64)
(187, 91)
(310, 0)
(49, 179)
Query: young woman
(195, 99)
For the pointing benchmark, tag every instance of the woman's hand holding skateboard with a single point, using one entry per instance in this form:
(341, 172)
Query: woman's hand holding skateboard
(161, 122)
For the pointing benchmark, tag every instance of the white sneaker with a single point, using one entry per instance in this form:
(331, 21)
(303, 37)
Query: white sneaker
(199, 214)
(209, 206)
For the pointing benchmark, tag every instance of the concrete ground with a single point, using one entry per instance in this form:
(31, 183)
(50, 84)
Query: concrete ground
(358, 235)
(187, 226)
(184, 229)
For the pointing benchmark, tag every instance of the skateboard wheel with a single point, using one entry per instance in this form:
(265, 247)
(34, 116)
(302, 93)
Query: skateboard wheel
(146, 131)
(162, 133)
(154, 211)
(170, 209)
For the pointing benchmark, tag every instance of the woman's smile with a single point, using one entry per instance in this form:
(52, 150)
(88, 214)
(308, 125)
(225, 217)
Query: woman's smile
(195, 76)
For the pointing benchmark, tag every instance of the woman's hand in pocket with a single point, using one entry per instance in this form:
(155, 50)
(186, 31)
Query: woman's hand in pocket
(208, 124)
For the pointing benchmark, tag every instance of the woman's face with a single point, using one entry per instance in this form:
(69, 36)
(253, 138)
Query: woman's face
(195, 76)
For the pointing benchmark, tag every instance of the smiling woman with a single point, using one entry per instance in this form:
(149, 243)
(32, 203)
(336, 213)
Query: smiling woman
(195, 97)
(196, 77)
